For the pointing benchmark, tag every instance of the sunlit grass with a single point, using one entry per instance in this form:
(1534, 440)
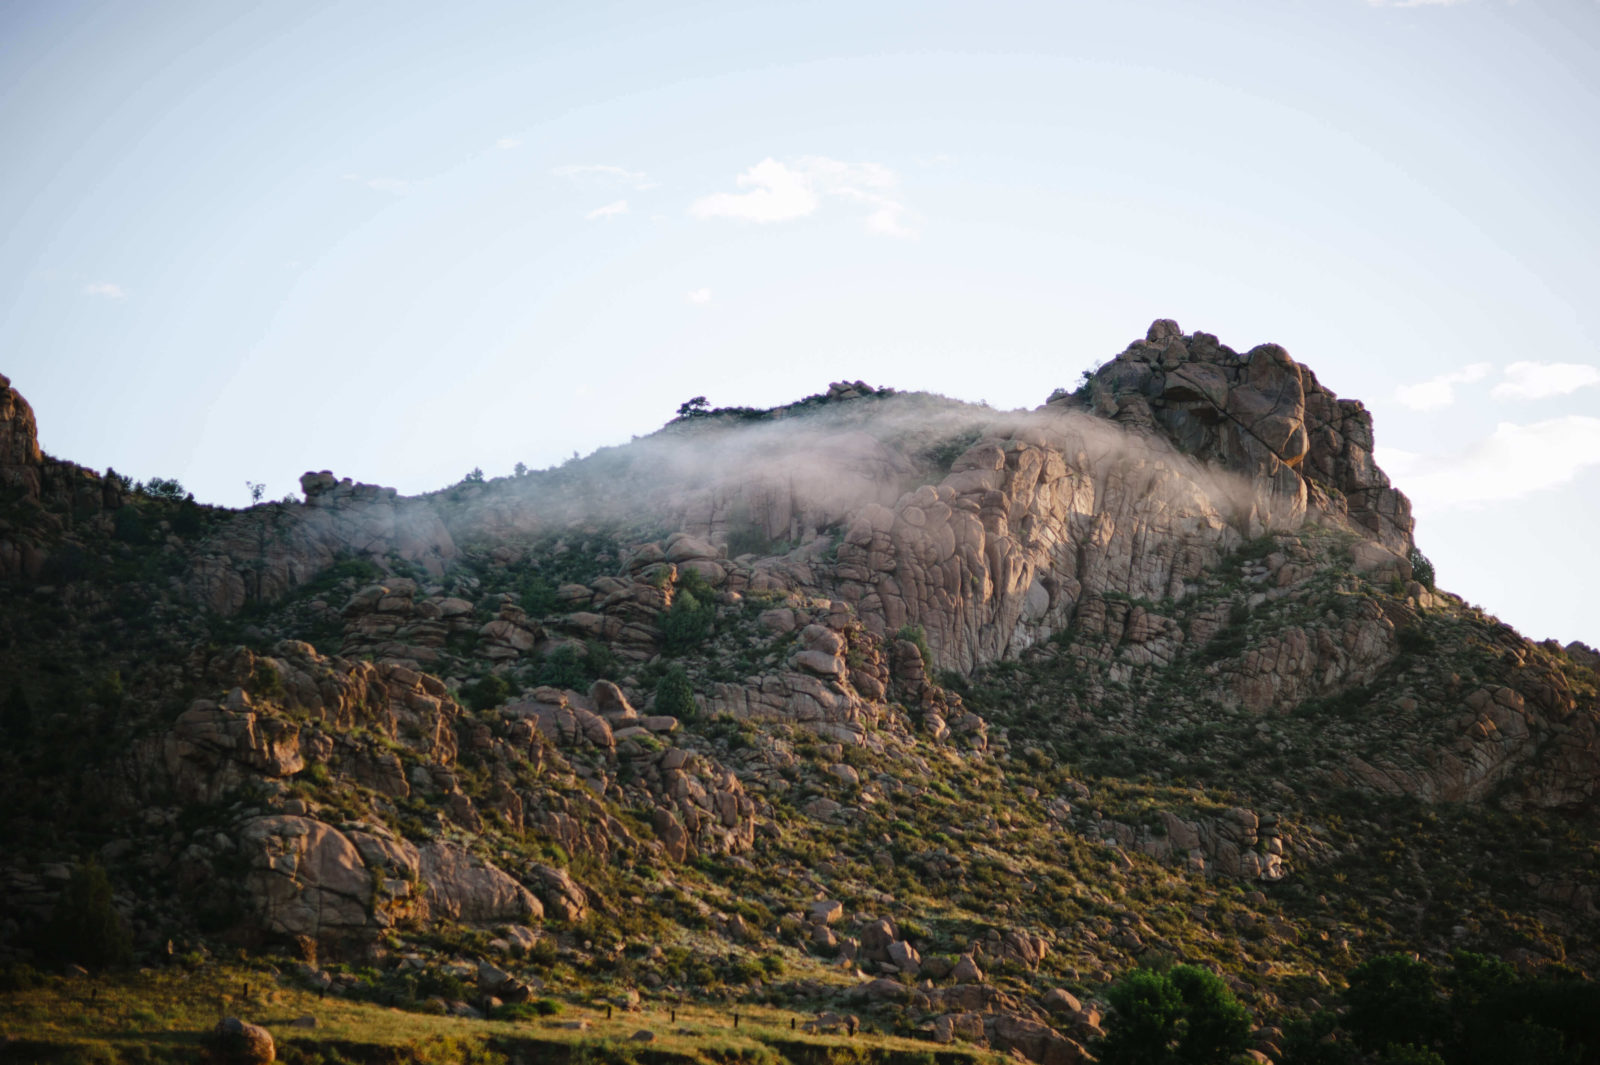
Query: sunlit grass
(156, 1015)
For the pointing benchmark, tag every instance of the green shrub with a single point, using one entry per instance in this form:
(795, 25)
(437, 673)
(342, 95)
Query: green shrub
(1395, 1000)
(1185, 1016)
(525, 1011)
(487, 692)
(538, 597)
(164, 489)
(675, 694)
(448, 986)
(1421, 568)
(599, 662)
(564, 668)
(688, 622)
(1145, 1012)
(85, 927)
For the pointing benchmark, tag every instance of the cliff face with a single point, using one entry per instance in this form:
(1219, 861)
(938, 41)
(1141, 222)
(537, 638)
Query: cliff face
(1170, 617)
(40, 497)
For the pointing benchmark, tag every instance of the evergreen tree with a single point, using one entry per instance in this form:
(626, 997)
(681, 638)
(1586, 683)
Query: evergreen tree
(85, 928)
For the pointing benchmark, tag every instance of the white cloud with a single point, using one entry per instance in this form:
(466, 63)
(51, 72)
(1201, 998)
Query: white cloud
(698, 295)
(105, 290)
(610, 210)
(600, 174)
(782, 192)
(392, 186)
(1417, 3)
(1513, 461)
(777, 194)
(1439, 392)
(506, 143)
(1541, 380)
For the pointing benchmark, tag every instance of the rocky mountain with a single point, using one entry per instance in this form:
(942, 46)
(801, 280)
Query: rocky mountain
(878, 701)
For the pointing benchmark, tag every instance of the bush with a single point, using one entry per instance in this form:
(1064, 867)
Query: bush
(687, 623)
(1185, 1016)
(675, 694)
(538, 597)
(1145, 1012)
(485, 693)
(1421, 568)
(525, 1011)
(85, 928)
(1394, 1000)
(563, 668)
(599, 662)
(164, 489)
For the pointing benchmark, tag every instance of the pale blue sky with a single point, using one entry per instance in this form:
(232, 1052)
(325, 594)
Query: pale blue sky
(401, 240)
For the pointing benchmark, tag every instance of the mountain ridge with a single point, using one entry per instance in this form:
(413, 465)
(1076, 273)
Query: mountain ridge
(1151, 640)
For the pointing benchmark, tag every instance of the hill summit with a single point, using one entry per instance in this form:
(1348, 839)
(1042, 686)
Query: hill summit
(877, 702)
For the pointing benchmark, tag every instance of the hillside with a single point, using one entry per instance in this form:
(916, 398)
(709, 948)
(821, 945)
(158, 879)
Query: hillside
(878, 703)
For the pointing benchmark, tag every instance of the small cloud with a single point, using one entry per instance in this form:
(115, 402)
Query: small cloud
(109, 290)
(595, 173)
(1513, 461)
(610, 210)
(783, 192)
(1440, 392)
(699, 295)
(777, 194)
(1417, 3)
(392, 186)
(507, 143)
(1541, 380)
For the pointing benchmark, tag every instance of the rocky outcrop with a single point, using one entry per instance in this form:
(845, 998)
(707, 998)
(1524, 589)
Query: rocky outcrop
(213, 750)
(44, 499)
(20, 457)
(1539, 749)
(266, 551)
(1261, 415)
(1033, 523)
(392, 620)
(307, 878)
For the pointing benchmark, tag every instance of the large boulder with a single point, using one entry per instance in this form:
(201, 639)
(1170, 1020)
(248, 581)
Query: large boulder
(463, 887)
(236, 1042)
(305, 878)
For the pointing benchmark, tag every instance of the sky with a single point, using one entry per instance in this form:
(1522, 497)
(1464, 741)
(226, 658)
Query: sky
(402, 240)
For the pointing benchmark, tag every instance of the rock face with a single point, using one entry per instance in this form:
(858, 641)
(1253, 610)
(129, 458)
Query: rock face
(52, 497)
(309, 879)
(274, 548)
(20, 457)
(1061, 509)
